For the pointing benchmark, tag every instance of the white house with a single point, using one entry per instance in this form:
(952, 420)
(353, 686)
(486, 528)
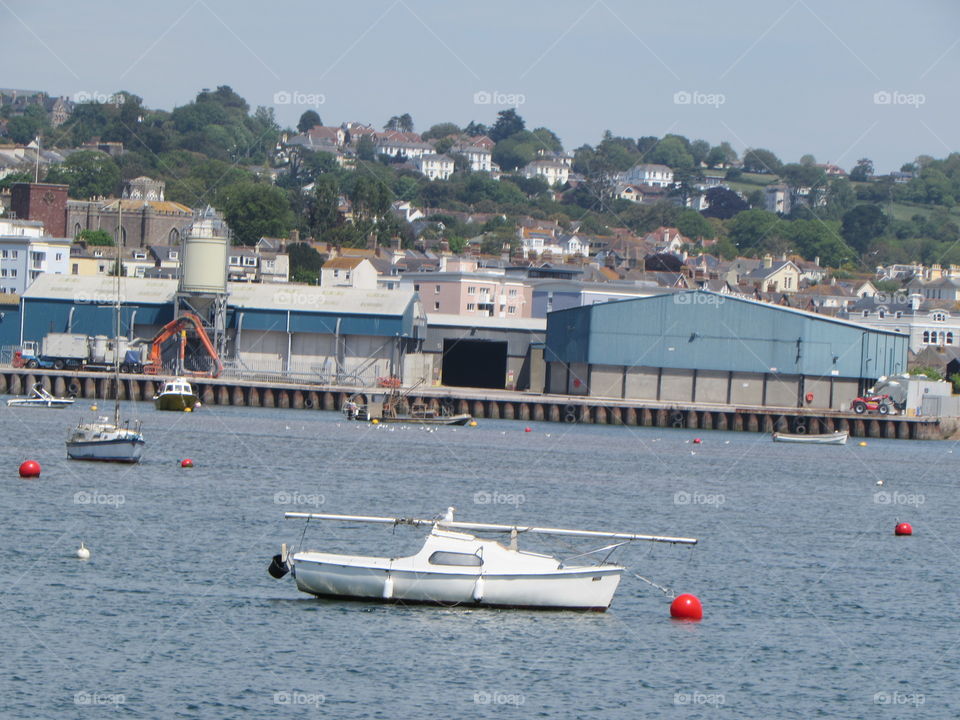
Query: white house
(435, 167)
(478, 153)
(648, 174)
(554, 172)
(25, 253)
(355, 272)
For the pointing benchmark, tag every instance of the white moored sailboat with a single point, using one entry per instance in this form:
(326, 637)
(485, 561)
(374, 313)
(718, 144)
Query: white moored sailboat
(102, 439)
(40, 397)
(455, 567)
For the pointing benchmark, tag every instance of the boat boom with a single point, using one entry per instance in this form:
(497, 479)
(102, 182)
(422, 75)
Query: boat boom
(456, 524)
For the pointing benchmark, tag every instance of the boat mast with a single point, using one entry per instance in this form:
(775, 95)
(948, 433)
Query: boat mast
(116, 318)
(456, 524)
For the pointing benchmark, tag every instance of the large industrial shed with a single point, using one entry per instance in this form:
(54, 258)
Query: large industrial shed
(84, 305)
(323, 333)
(330, 333)
(483, 352)
(703, 347)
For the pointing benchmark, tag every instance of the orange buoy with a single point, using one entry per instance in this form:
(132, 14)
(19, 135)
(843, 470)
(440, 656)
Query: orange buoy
(686, 607)
(29, 469)
(808, 397)
(186, 463)
(903, 529)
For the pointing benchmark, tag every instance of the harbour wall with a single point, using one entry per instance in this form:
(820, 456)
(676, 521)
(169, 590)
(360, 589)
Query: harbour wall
(496, 404)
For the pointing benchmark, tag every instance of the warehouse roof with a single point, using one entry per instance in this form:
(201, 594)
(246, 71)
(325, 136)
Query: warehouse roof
(311, 298)
(100, 289)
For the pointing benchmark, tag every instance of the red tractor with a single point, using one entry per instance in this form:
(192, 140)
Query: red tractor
(882, 404)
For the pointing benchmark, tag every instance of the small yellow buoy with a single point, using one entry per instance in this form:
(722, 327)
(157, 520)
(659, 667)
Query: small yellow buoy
(863, 443)
(188, 409)
(473, 423)
(375, 421)
(93, 407)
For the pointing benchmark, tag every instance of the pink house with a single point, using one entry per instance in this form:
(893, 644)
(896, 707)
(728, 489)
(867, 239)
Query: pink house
(470, 293)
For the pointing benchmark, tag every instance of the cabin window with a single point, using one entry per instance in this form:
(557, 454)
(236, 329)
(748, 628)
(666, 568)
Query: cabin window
(442, 557)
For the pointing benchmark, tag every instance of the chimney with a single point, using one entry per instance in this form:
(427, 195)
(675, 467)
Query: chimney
(395, 243)
(294, 236)
(609, 261)
(444, 247)
(816, 261)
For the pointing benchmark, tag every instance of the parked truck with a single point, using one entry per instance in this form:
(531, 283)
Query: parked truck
(75, 352)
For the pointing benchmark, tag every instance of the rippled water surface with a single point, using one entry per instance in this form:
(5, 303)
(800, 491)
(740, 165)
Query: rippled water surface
(812, 607)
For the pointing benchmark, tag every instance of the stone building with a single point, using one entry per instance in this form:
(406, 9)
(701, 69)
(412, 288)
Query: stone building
(147, 219)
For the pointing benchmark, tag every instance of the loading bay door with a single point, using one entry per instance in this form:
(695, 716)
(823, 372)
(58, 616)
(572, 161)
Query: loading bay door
(474, 363)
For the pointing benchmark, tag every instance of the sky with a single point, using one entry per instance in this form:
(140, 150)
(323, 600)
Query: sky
(838, 80)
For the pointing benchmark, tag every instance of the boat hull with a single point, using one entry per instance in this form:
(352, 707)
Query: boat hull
(837, 438)
(34, 403)
(462, 419)
(588, 588)
(176, 402)
(121, 451)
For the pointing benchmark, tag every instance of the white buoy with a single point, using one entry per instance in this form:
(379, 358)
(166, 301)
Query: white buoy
(879, 482)
(83, 552)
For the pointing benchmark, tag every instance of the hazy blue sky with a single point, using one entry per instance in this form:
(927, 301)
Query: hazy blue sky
(838, 79)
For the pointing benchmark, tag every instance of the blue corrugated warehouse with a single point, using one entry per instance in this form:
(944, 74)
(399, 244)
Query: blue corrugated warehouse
(700, 346)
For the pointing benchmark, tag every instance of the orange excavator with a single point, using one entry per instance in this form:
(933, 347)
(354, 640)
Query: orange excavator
(186, 327)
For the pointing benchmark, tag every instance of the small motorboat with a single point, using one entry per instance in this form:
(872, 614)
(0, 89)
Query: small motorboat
(834, 438)
(177, 395)
(456, 567)
(39, 397)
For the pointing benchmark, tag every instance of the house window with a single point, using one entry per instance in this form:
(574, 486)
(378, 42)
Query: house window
(250, 261)
(98, 253)
(13, 253)
(939, 317)
(436, 305)
(949, 338)
(346, 275)
(512, 292)
(173, 255)
(866, 313)
(60, 256)
(416, 287)
(76, 269)
(137, 255)
(234, 259)
(436, 289)
(13, 272)
(898, 315)
(336, 273)
(512, 310)
(881, 314)
(3, 254)
(471, 290)
(471, 307)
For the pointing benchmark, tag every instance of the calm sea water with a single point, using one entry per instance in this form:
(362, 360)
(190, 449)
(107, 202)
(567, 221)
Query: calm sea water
(812, 607)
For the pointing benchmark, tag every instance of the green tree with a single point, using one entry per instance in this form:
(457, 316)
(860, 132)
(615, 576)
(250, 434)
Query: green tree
(89, 173)
(671, 152)
(309, 119)
(699, 149)
(476, 129)
(96, 237)
(861, 225)
(753, 230)
(256, 210)
(400, 123)
(693, 225)
(759, 160)
(723, 203)
(305, 263)
(25, 128)
(513, 152)
(326, 206)
(508, 123)
(862, 171)
(366, 150)
(441, 130)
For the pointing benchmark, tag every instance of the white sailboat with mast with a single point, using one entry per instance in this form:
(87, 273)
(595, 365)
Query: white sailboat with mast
(103, 440)
(456, 567)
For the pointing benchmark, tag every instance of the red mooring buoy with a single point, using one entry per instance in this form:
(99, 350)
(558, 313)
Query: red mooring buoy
(527, 430)
(29, 469)
(903, 529)
(186, 463)
(697, 441)
(686, 607)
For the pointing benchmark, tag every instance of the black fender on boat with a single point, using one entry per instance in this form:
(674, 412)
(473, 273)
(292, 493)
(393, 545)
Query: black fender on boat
(278, 568)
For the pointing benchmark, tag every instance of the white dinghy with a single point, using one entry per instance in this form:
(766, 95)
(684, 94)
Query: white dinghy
(455, 567)
(834, 438)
